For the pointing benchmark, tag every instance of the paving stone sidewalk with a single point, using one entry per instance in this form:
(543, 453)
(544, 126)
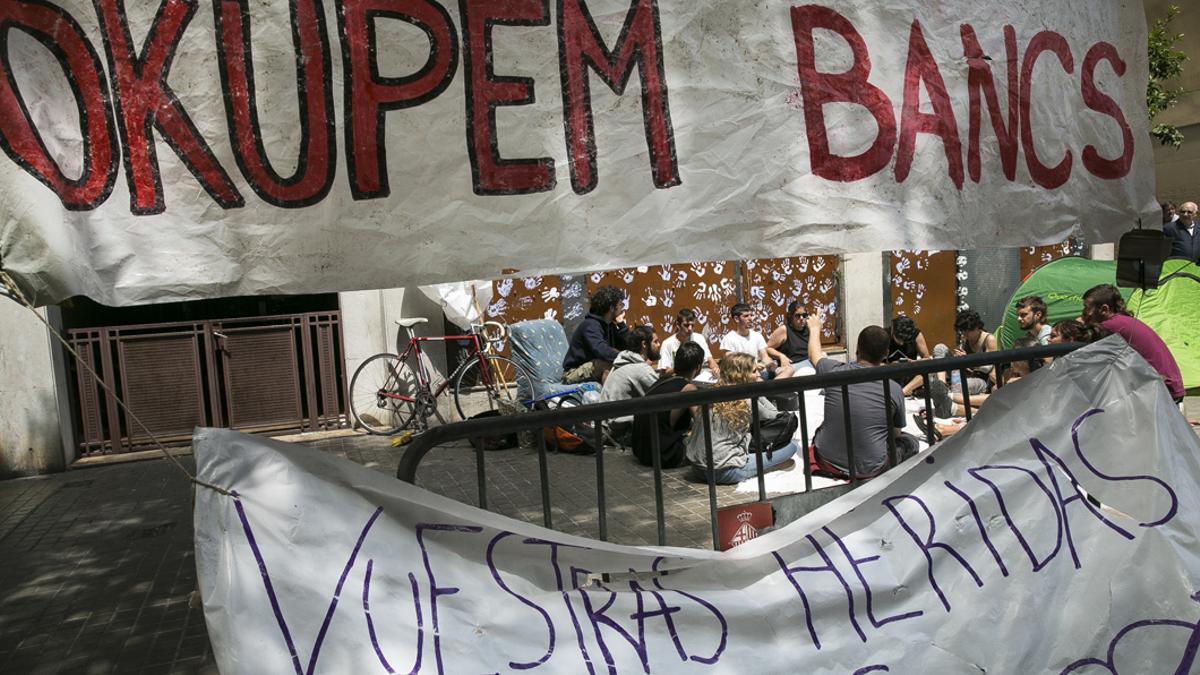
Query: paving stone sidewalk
(98, 569)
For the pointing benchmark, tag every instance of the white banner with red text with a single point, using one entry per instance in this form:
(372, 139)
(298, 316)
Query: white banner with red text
(174, 150)
(981, 555)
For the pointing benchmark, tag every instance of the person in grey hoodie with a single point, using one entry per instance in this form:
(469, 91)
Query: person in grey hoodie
(631, 374)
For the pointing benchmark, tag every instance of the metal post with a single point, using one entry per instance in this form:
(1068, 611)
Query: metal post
(601, 502)
(849, 433)
(756, 442)
(929, 436)
(660, 514)
(804, 438)
(706, 413)
(966, 393)
(481, 474)
(544, 474)
(893, 455)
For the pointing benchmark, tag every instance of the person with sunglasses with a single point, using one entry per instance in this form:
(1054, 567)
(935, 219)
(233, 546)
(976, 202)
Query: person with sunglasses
(791, 339)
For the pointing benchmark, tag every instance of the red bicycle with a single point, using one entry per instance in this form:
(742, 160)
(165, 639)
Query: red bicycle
(390, 392)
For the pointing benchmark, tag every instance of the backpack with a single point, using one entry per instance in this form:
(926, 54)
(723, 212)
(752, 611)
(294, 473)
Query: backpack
(503, 442)
(775, 433)
(574, 439)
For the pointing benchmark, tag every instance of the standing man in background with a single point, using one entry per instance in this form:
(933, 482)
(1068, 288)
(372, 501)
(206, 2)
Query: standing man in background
(1185, 240)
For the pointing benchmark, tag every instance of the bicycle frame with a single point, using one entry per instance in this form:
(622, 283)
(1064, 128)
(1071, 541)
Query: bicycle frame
(413, 349)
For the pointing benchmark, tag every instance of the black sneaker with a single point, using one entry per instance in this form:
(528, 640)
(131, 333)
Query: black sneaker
(939, 394)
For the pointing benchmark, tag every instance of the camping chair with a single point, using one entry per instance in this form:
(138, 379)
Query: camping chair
(538, 347)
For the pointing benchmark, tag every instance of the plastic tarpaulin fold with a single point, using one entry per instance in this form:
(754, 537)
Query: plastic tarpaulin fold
(981, 555)
(176, 150)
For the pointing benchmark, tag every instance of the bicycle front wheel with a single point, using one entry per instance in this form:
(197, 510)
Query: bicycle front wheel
(383, 394)
(499, 385)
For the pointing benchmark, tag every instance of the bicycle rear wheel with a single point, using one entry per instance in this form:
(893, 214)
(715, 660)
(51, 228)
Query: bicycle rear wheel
(499, 386)
(383, 394)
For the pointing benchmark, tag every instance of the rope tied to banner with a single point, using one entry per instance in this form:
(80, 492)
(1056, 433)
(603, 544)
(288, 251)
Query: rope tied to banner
(14, 292)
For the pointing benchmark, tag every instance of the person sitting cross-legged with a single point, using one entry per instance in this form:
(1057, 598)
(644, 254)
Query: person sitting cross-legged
(597, 339)
(733, 460)
(746, 340)
(685, 321)
(1070, 330)
(1015, 371)
(868, 410)
(671, 426)
(631, 374)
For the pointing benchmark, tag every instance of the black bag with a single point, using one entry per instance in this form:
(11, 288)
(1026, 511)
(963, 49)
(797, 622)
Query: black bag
(573, 439)
(776, 432)
(493, 442)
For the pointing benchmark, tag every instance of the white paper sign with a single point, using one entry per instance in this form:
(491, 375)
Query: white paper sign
(979, 556)
(181, 150)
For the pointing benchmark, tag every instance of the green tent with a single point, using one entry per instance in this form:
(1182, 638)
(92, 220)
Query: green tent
(1061, 284)
(1172, 309)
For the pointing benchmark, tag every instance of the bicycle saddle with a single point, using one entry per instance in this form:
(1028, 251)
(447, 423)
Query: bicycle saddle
(409, 323)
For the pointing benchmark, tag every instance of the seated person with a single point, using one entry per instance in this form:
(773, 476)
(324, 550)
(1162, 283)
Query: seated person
(684, 321)
(597, 339)
(972, 339)
(1031, 317)
(1015, 371)
(733, 460)
(908, 344)
(1104, 307)
(1070, 330)
(791, 339)
(868, 410)
(743, 340)
(631, 374)
(671, 426)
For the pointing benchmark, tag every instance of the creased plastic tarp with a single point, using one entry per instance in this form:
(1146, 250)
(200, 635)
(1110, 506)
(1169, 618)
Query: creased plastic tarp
(461, 301)
(719, 156)
(979, 556)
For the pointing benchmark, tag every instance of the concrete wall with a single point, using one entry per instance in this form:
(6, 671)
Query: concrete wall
(368, 323)
(862, 294)
(30, 438)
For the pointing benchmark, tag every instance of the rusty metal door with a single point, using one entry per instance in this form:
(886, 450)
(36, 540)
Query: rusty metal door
(272, 373)
(260, 373)
(924, 288)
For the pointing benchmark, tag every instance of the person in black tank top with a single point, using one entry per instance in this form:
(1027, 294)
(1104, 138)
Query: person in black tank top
(791, 339)
(908, 344)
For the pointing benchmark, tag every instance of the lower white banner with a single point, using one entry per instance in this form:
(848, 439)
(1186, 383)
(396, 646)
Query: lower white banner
(982, 555)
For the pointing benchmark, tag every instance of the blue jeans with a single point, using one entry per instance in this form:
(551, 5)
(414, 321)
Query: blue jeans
(734, 475)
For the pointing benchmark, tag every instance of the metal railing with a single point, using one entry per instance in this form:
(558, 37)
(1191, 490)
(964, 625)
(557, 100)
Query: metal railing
(595, 414)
